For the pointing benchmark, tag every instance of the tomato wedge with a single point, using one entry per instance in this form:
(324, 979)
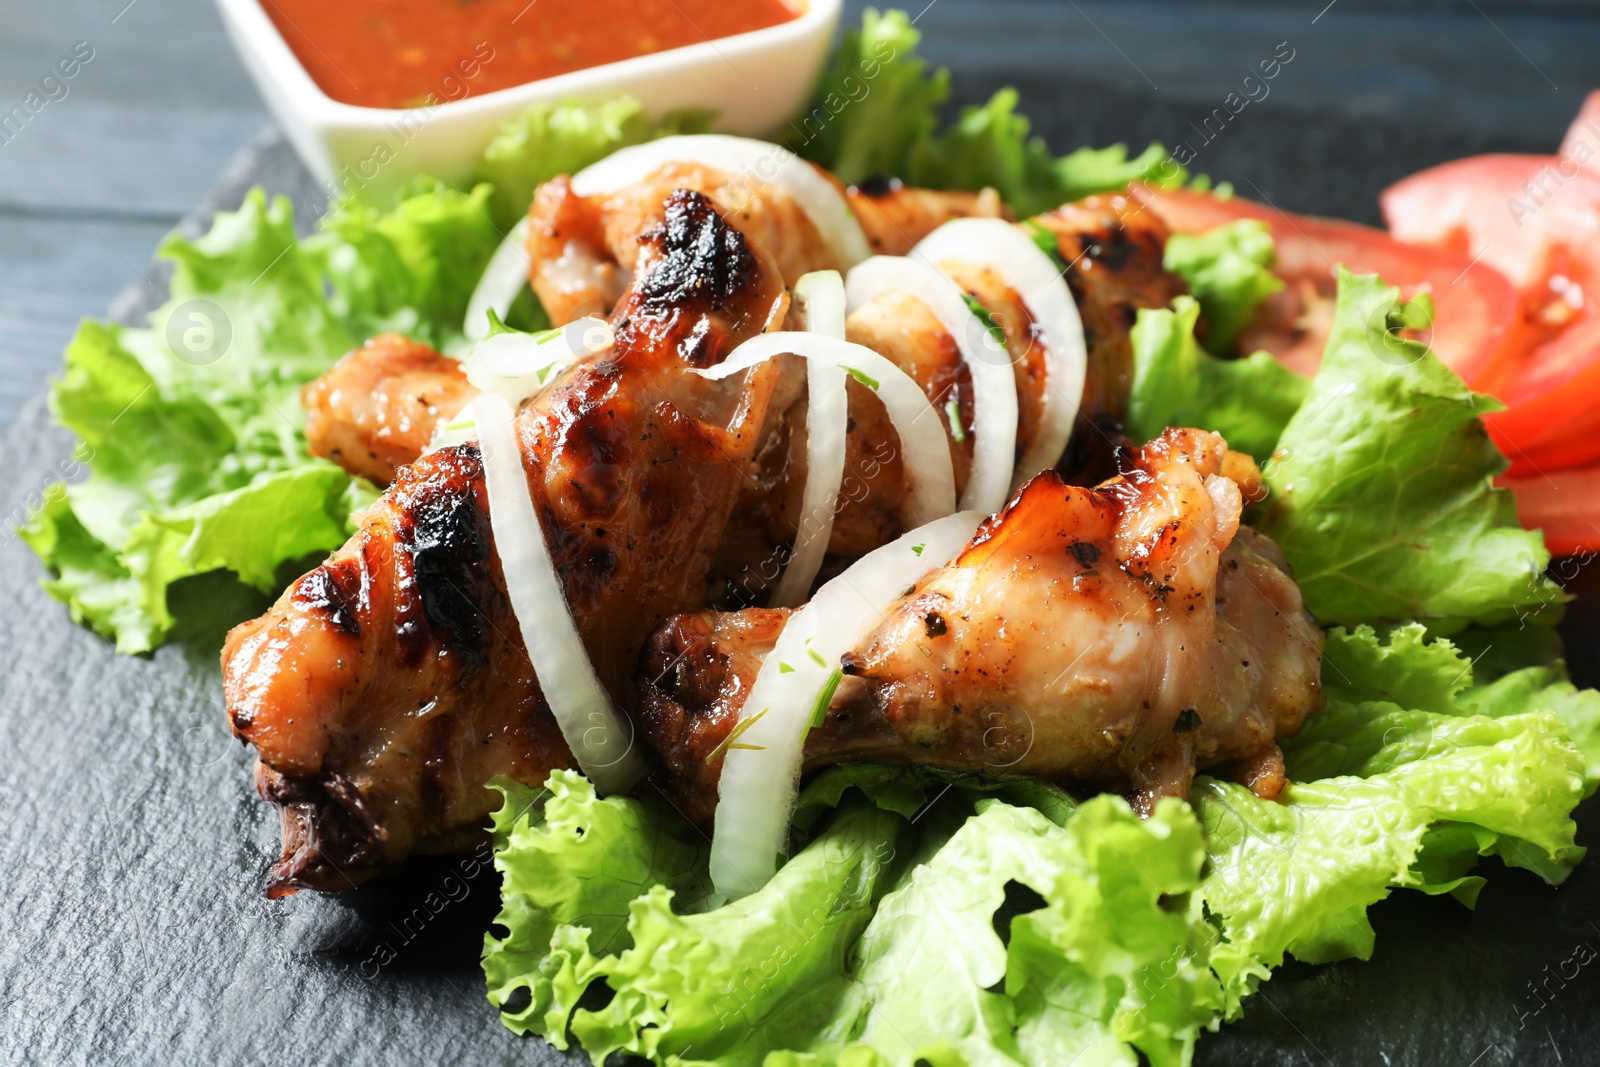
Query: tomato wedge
(1582, 142)
(1477, 311)
(1536, 219)
(1515, 213)
(1565, 505)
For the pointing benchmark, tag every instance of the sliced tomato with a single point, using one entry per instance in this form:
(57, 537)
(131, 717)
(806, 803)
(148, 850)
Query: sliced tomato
(1514, 213)
(1477, 311)
(1537, 219)
(1582, 142)
(1565, 505)
(1552, 415)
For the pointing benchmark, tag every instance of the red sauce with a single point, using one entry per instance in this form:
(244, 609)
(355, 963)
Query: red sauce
(413, 53)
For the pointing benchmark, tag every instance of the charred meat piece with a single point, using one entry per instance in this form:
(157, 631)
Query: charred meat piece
(895, 216)
(584, 249)
(388, 686)
(377, 409)
(1115, 270)
(1112, 248)
(1119, 636)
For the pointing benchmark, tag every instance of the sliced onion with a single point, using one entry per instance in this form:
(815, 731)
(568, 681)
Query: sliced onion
(1039, 282)
(821, 299)
(456, 431)
(923, 449)
(757, 161)
(517, 365)
(502, 280)
(600, 738)
(761, 771)
(994, 385)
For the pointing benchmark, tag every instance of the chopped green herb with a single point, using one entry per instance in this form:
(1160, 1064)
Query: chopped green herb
(952, 411)
(819, 710)
(1047, 242)
(816, 657)
(734, 735)
(863, 377)
(977, 308)
(784, 668)
(918, 548)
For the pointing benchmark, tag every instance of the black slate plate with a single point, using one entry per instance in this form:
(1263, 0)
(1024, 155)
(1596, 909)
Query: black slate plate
(132, 926)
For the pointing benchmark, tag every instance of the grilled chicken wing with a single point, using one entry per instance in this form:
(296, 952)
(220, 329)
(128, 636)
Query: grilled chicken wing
(1119, 636)
(388, 686)
(1113, 248)
(377, 409)
(1113, 254)
(583, 249)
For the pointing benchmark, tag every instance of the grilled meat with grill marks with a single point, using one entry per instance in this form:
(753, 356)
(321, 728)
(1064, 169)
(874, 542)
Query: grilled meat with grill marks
(388, 686)
(378, 407)
(1120, 636)
(1112, 252)
(583, 249)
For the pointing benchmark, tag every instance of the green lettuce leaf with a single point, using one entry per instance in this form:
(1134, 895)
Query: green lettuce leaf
(876, 114)
(876, 102)
(191, 428)
(1098, 969)
(1381, 493)
(563, 138)
(409, 269)
(614, 890)
(1408, 776)
(989, 146)
(1177, 383)
(1228, 270)
(968, 930)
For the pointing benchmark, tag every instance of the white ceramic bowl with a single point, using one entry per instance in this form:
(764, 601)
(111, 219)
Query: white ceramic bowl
(755, 82)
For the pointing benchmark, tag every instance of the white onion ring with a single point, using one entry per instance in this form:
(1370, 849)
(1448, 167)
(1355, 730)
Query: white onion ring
(768, 164)
(502, 280)
(518, 365)
(923, 448)
(820, 296)
(994, 385)
(600, 738)
(758, 785)
(1039, 282)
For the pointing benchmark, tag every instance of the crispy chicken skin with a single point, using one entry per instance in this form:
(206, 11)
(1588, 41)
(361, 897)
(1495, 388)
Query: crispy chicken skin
(1113, 249)
(1119, 636)
(388, 686)
(583, 249)
(1114, 255)
(895, 216)
(377, 409)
